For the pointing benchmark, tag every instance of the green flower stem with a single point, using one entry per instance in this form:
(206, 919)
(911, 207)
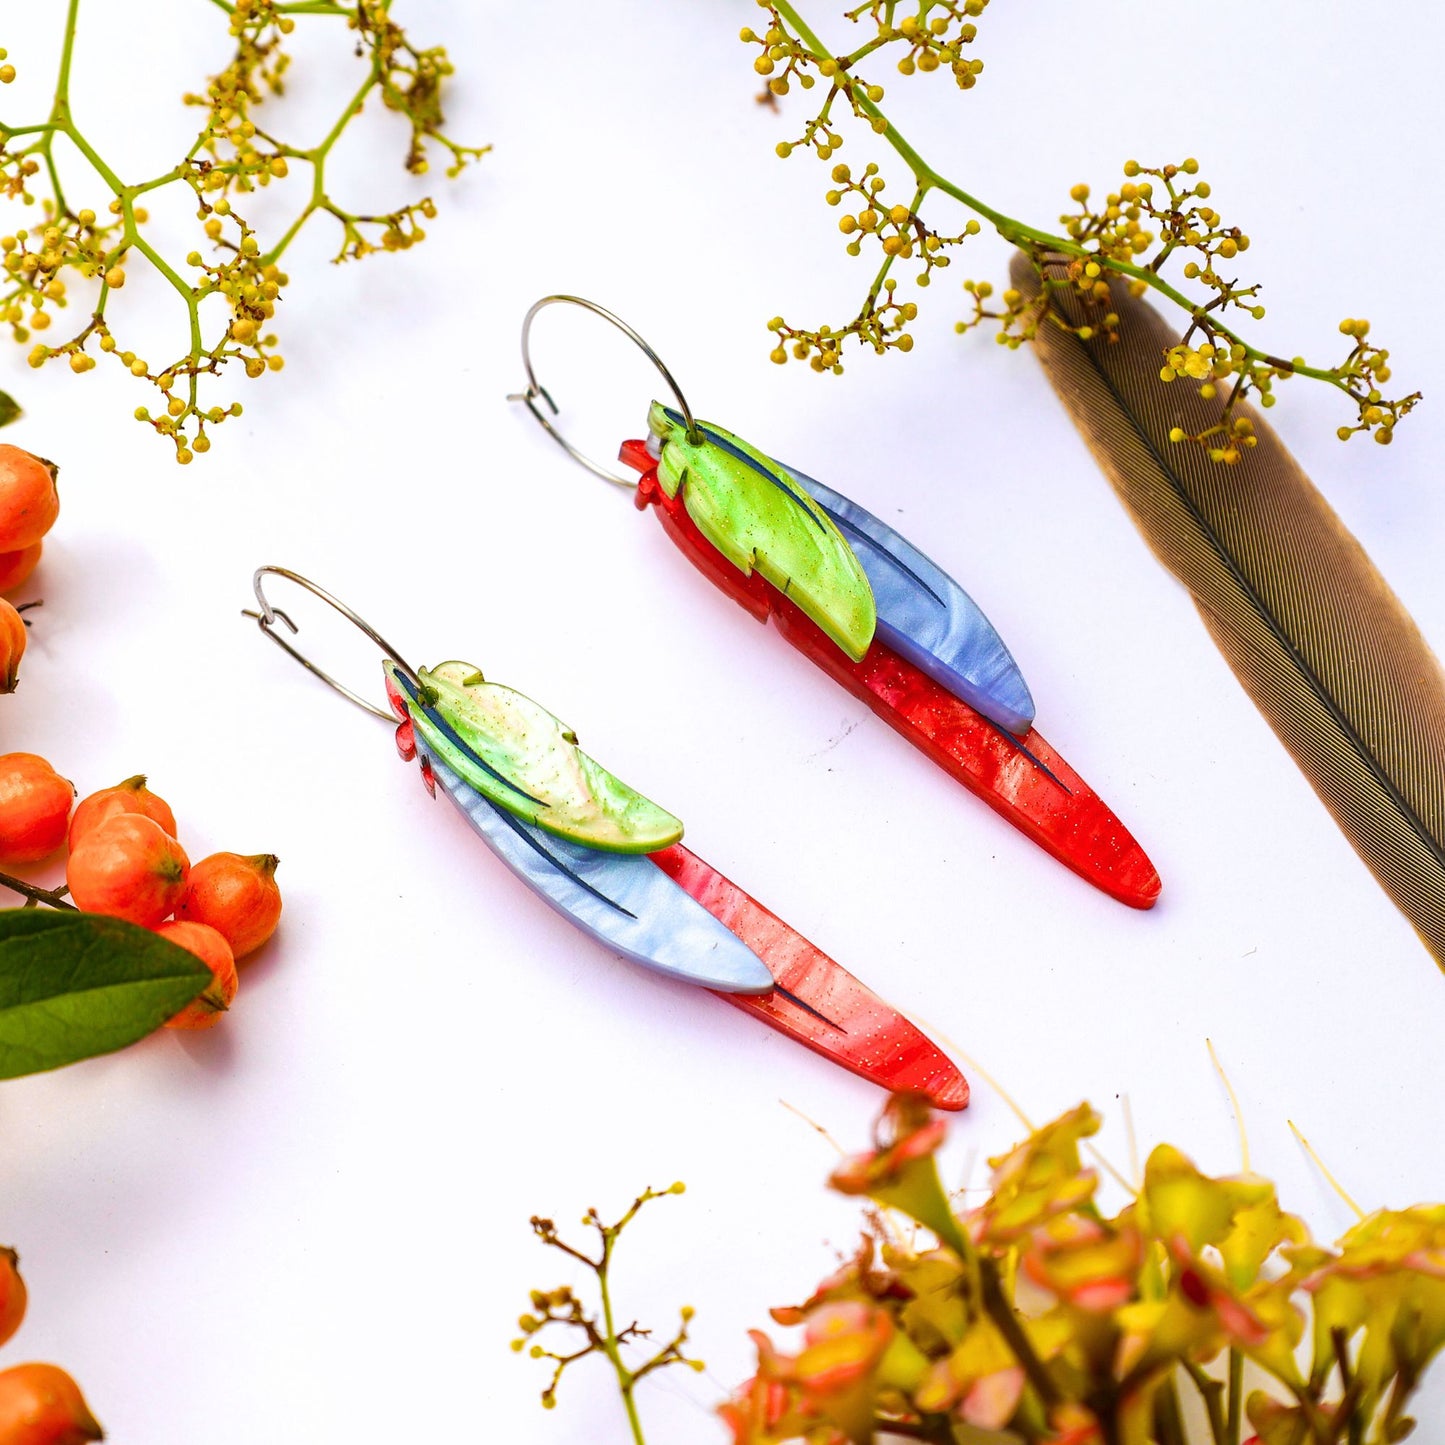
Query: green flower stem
(941, 1434)
(922, 171)
(1169, 1422)
(626, 1381)
(1017, 232)
(561, 1308)
(302, 7)
(1001, 1313)
(1211, 1391)
(59, 111)
(887, 266)
(60, 121)
(60, 118)
(156, 183)
(626, 1378)
(1236, 1397)
(317, 157)
(67, 51)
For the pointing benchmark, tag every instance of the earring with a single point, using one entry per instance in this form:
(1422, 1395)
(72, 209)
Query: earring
(609, 860)
(868, 608)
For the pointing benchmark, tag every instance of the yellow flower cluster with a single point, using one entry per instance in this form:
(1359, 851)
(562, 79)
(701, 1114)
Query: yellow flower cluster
(899, 230)
(35, 265)
(933, 36)
(881, 324)
(1126, 239)
(232, 156)
(1116, 230)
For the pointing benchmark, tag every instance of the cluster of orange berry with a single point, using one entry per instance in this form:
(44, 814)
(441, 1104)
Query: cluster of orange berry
(29, 505)
(39, 1404)
(124, 861)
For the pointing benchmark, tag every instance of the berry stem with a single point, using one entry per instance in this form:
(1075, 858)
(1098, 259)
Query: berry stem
(50, 897)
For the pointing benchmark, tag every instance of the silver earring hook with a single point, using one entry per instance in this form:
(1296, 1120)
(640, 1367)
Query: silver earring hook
(268, 616)
(536, 392)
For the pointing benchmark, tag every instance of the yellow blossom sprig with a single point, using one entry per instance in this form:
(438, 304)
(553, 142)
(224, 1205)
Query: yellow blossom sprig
(229, 158)
(598, 1335)
(1156, 214)
(899, 233)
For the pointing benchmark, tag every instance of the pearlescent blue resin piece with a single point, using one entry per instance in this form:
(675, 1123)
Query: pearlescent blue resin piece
(924, 615)
(625, 901)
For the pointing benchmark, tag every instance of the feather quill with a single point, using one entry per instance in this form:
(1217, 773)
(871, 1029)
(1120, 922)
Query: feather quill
(1310, 627)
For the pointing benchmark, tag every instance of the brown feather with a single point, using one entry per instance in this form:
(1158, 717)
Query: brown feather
(1308, 624)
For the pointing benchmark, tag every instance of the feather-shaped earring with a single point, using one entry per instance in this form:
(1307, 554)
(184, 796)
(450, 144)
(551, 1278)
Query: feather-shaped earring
(1310, 627)
(610, 861)
(872, 611)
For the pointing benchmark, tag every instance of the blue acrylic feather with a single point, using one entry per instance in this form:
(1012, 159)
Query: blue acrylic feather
(924, 615)
(625, 901)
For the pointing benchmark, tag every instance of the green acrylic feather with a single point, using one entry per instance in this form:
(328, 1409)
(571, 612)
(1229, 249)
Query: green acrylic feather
(758, 518)
(525, 760)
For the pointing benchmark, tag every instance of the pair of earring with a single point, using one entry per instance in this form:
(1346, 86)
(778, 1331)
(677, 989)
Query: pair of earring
(857, 599)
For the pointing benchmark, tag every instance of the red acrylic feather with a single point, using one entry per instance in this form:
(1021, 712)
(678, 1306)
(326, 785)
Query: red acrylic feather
(1022, 778)
(817, 1001)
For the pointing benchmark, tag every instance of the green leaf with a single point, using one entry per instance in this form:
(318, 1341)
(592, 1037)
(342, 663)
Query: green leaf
(9, 408)
(73, 985)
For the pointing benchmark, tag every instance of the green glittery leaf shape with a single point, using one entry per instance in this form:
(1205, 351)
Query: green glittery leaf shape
(758, 518)
(9, 408)
(525, 760)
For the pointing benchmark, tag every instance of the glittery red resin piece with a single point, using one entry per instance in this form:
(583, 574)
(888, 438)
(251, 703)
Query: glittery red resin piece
(406, 741)
(1023, 779)
(856, 1028)
(398, 703)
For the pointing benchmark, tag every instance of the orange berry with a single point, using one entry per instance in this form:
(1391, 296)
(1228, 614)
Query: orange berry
(213, 950)
(237, 896)
(13, 638)
(131, 796)
(42, 1405)
(16, 567)
(128, 868)
(12, 1294)
(29, 503)
(34, 809)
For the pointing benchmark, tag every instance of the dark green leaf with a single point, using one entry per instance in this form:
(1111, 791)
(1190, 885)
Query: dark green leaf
(9, 408)
(73, 985)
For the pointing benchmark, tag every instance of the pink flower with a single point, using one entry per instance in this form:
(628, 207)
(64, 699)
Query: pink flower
(831, 1382)
(1084, 1262)
(906, 1132)
(900, 1172)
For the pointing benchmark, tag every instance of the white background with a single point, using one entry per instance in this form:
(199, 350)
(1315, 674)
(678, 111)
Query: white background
(311, 1223)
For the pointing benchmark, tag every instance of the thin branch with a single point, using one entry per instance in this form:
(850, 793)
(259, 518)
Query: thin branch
(50, 897)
